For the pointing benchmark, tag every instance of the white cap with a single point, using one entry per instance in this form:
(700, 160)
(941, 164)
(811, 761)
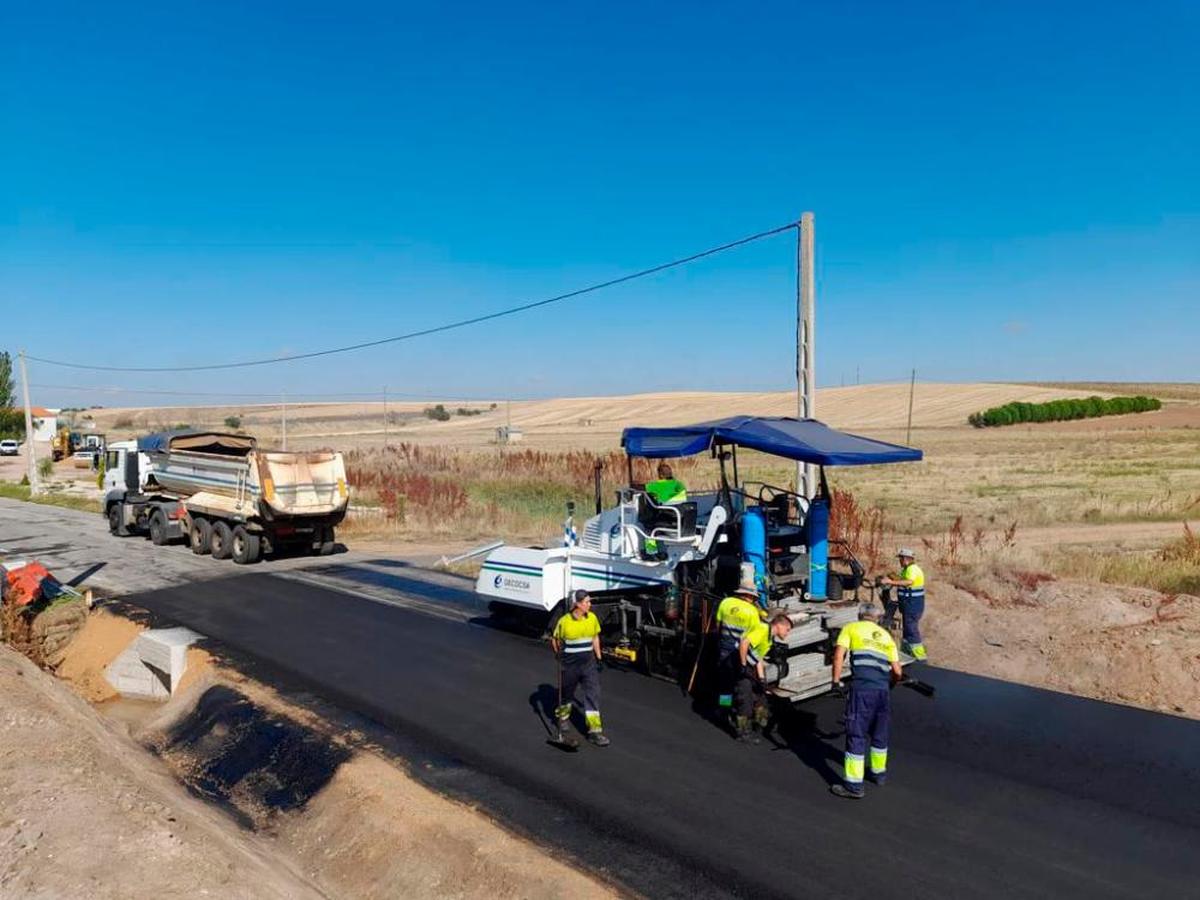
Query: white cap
(906, 551)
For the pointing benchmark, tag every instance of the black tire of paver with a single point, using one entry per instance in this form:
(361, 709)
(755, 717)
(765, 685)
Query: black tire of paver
(834, 589)
(158, 528)
(114, 518)
(201, 536)
(221, 541)
(245, 546)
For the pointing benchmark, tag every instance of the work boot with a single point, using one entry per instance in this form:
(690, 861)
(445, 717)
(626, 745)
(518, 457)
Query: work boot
(841, 790)
(598, 738)
(879, 778)
(741, 725)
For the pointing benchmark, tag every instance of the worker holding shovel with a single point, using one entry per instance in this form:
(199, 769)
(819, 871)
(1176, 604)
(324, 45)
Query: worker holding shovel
(576, 644)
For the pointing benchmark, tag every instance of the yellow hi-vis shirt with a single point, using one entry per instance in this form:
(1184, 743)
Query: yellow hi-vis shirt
(576, 635)
(915, 591)
(759, 637)
(734, 617)
(872, 651)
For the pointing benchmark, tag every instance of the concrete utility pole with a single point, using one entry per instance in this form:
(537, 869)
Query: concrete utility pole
(806, 474)
(30, 456)
(385, 417)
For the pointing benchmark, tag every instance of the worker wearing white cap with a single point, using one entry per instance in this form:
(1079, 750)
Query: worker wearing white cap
(910, 598)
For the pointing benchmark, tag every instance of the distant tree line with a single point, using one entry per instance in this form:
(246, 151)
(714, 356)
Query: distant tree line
(1062, 410)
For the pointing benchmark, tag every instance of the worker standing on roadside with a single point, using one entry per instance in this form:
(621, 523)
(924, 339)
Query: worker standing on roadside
(576, 642)
(910, 598)
(749, 693)
(876, 669)
(735, 616)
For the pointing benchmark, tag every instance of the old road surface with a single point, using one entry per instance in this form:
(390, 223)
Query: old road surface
(996, 790)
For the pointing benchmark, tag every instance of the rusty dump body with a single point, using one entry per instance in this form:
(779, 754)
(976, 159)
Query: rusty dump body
(226, 474)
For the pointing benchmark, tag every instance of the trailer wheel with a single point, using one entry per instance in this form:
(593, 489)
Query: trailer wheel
(201, 536)
(115, 512)
(221, 541)
(245, 546)
(327, 544)
(158, 528)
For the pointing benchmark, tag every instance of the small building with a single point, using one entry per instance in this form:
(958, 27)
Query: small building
(509, 434)
(45, 423)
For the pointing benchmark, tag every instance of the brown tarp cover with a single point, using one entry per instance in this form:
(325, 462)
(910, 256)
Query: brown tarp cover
(211, 442)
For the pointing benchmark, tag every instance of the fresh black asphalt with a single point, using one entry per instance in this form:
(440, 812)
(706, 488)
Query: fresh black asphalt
(996, 790)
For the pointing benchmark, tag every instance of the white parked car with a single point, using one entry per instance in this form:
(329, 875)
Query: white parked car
(9, 448)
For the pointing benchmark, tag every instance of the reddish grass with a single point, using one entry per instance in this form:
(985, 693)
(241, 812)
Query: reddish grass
(861, 527)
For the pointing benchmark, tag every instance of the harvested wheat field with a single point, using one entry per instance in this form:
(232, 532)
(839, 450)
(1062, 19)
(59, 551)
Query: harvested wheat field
(584, 422)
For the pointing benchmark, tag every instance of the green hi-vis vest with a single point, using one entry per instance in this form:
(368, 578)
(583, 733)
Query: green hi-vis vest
(667, 490)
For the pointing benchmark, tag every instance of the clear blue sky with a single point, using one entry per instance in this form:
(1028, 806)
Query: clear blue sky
(1002, 191)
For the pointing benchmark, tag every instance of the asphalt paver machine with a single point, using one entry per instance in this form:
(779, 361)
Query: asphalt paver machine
(657, 571)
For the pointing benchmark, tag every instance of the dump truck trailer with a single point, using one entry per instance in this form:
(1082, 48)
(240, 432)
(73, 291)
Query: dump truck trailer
(223, 495)
(657, 571)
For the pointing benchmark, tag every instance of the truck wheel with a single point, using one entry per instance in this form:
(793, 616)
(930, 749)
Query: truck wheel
(201, 536)
(221, 541)
(327, 544)
(245, 546)
(115, 512)
(158, 528)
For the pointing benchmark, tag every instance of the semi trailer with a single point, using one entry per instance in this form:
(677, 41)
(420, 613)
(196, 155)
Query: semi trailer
(223, 495)
(657, 571)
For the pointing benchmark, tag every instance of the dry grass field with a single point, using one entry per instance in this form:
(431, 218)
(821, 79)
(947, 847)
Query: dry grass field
(593, 423)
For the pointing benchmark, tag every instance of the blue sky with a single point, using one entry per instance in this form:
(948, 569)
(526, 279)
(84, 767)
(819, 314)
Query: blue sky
(1002, 191)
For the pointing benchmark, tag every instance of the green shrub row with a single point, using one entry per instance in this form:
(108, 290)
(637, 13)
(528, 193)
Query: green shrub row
(1062, 410)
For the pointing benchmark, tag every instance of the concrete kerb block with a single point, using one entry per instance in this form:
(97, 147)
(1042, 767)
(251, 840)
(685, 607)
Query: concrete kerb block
(151, 667)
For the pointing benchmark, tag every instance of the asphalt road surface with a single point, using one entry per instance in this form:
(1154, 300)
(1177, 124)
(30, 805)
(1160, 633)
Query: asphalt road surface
(996, 790)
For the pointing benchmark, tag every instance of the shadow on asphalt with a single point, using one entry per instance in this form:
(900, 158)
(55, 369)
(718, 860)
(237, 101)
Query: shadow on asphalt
(390, 563)
(86, 574)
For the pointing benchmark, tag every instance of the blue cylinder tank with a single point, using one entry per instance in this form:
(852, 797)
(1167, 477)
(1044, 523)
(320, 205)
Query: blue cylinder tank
(754, 548)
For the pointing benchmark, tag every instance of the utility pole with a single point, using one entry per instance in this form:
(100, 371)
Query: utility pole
(806, 475)
(30, 457)
(385, 417)
(283, 418)
(912, 386)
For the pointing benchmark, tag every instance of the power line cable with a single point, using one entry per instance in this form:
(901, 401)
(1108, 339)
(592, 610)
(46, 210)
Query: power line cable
(270, 395)
(462, 323)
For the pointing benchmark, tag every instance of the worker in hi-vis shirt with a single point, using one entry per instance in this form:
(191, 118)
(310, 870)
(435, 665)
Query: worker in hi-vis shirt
(909, 583)
(875, 665)
(576, 642)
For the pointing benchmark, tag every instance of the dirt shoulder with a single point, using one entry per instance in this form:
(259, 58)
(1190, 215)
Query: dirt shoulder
(88, 813)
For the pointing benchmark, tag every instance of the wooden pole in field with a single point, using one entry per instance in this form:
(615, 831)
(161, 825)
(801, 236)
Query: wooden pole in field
(30, 455)
(805, 335)
(283, 418)
(385, 417)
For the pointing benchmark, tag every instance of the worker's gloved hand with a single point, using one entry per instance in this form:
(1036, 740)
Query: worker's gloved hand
(839, 690)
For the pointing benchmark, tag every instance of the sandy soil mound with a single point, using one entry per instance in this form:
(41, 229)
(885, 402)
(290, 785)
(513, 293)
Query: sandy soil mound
(1122, 644)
